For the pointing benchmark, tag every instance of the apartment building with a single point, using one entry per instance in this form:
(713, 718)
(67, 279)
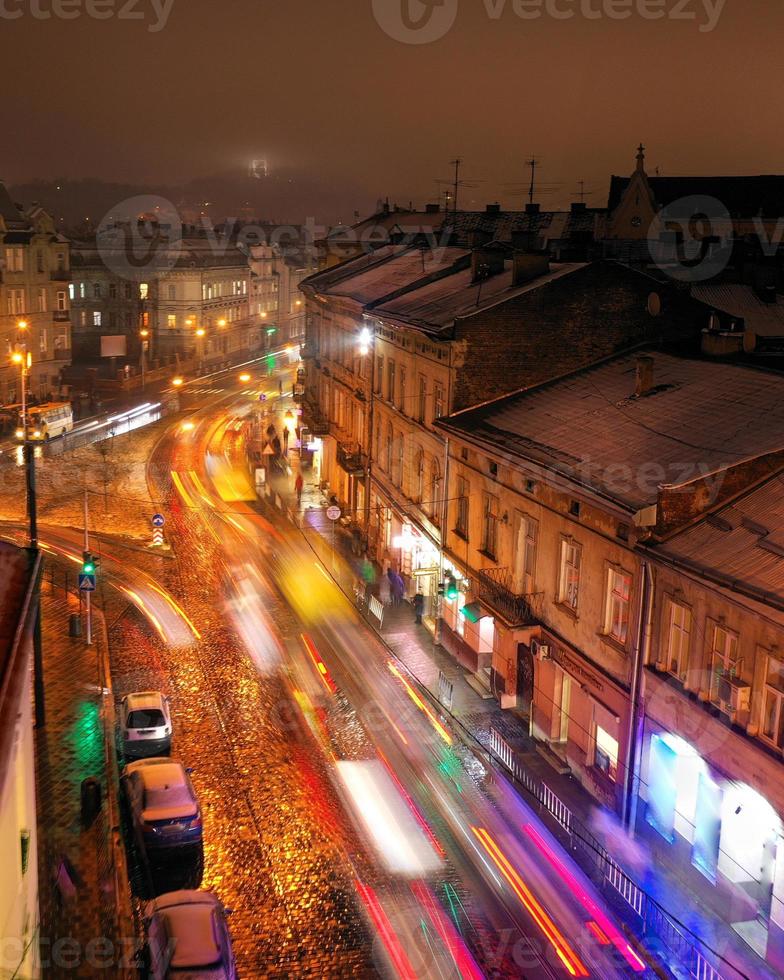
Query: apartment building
(406, 334)
(34, 303)
(276, 299)
(612, 539)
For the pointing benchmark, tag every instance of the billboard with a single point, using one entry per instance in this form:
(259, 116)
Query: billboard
(114, 345)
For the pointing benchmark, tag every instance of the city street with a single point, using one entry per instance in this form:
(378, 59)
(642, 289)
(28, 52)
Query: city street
(277, 686)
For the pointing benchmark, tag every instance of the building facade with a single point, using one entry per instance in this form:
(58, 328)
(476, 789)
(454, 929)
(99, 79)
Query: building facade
(34, 301)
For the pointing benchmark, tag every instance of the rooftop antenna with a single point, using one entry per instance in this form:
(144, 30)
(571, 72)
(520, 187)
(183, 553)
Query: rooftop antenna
(533, 163)
(454, 184)
(456, 163)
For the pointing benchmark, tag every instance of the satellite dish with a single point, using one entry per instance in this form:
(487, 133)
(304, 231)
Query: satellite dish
(654, 304)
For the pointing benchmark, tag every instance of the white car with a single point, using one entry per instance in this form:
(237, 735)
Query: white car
(145, 720)
(187, 936)
(162, 804)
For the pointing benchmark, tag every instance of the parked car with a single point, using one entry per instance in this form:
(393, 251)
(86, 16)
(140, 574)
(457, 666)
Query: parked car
(145, 720)
(162, 803)
(187, 935)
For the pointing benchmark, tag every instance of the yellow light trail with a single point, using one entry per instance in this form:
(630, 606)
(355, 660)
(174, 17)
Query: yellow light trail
(420, 704)
(187, 499)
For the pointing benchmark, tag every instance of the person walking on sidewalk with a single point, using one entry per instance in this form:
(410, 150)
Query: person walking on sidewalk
(285, 441)
(384, 590)
(419, 606)
(299, 483)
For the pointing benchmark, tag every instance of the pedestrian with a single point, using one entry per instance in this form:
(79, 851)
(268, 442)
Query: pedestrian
(285, 442)
(419, 606)
(391, 580)
(384, 590)
(398, 588)
(299, 483)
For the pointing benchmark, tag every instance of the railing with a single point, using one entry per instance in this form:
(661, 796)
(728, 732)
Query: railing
(60, 275)
(495, 589)
(351, 462)
(61, 316)
(651, 921)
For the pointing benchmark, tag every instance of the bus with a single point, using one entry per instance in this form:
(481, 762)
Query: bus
(45, 422)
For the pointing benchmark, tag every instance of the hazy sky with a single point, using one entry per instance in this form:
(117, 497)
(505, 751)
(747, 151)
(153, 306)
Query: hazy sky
(318, 85)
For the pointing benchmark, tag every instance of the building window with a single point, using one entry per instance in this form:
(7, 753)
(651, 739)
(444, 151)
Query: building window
(723, 659)
(419, 486)
(617, 607)
(399, 460)
(569, 577)
(678, 631)
(39, 261)
(72, 290)
(390, 440)
(435, 493)
(402, 388)
(526, 544)
(112, 290)
(438, 401)
(83, 290)
(171, 292)
(773, 705)
(62, 300)
(96, 290)
(391, 381)
(490, 526)
(422, 401)
(463, 491)
(171, 321)
(16, 301)
(43, 340)
(14, 260)
(128, 291)
(606, 753)
(96, 318)
(144, 290)
(41, 301)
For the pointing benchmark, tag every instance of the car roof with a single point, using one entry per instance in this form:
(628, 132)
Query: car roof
(144, 699)
(194, 928)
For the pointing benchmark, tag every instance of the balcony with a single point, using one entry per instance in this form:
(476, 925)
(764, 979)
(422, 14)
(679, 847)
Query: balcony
(350, 462)
(60, 275)
(495, 589)
(61, 316)
(308, 351)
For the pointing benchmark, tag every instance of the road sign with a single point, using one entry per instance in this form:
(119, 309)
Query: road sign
(333, 513)
(262, 397)
(86, 582)
(158, 520)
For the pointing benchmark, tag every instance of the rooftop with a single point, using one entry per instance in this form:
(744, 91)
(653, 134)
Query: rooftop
(742, 196)
(763, 319)
(699, 417)
(436, 305)
(740, 546)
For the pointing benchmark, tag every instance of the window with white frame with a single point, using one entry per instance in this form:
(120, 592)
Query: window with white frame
(569, 573)
(62, 300)
(618, 604)
(526, 544)
(171, 320)
(723, 658)
(438, 401)
(677, 624)
(41, 300)
(772, 727)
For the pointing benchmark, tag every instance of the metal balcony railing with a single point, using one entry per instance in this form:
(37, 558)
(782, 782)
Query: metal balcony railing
(495, 588)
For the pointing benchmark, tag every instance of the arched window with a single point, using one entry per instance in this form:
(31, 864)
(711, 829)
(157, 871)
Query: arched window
(434, 506)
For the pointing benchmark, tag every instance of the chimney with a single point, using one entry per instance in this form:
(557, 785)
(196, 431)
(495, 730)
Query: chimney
(523, 241)
(578, 206)
(529, 265)
(532, 209)
(486, 262)
(493, 209)
(645, 376)
(432, 208)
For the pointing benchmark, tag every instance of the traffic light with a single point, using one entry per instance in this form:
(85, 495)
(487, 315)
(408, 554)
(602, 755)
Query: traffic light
(451, 588)
(88, 563)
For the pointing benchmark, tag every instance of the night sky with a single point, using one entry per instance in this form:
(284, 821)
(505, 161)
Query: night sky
(317, 86)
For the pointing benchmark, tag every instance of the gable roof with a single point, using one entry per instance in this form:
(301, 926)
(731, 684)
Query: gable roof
(743, 197)
(9, 212)
(700, 417)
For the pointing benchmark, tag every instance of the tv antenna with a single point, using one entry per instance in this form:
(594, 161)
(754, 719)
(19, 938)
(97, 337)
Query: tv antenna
(533, 163)
(453, 184)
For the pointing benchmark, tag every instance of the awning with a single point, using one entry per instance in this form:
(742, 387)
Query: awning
(472, 612)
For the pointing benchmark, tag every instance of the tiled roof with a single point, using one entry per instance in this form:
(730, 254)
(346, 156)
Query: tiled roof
(764, 319)
(701, 416)
(436, 305)
(546, 225)
(741, 545)
(743, 197)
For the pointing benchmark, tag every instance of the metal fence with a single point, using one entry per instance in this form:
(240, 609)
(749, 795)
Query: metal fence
(651, 920)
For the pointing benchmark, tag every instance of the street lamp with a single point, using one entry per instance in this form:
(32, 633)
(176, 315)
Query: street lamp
(25, 360)
(178, 382)
(144, 334)
(200, 335)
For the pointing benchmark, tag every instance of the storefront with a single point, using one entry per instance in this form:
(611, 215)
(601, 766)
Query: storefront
(419, 564)
(580, 713)
(712, 797)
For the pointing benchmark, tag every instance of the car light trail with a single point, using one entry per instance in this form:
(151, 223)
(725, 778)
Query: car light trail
(461, 957)
(602, 926)
(412, 806)
(384, 928)
(201, 489)
(186, 497)
(563, 950)
(321, 667)
(420, 703)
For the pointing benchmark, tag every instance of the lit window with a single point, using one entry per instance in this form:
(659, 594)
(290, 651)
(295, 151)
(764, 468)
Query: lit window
(171, 321)
(62, 300)
(569, 578)
(773, 706)
(72, 290)
(619, 587)
(144, 290)
(678, 626)
(96, 319)
(723, 661)
(438, 402)
(606, 753)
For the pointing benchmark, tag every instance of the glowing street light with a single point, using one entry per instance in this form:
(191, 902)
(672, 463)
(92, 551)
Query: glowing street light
(201, 332)
(221, 323)
(22, 324)
(178, 382)
(245, 378)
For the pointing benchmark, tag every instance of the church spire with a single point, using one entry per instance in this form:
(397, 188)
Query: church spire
(641, 159)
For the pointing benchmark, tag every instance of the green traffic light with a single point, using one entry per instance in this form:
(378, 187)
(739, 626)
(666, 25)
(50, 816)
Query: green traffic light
(88, 568)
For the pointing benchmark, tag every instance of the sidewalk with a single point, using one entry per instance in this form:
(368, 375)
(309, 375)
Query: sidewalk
(85, 915)
(481, 716)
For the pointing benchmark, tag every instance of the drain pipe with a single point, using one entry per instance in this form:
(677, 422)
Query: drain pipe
(637, 715)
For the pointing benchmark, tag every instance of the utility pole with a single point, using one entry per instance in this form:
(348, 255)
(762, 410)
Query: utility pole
(533, 163)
